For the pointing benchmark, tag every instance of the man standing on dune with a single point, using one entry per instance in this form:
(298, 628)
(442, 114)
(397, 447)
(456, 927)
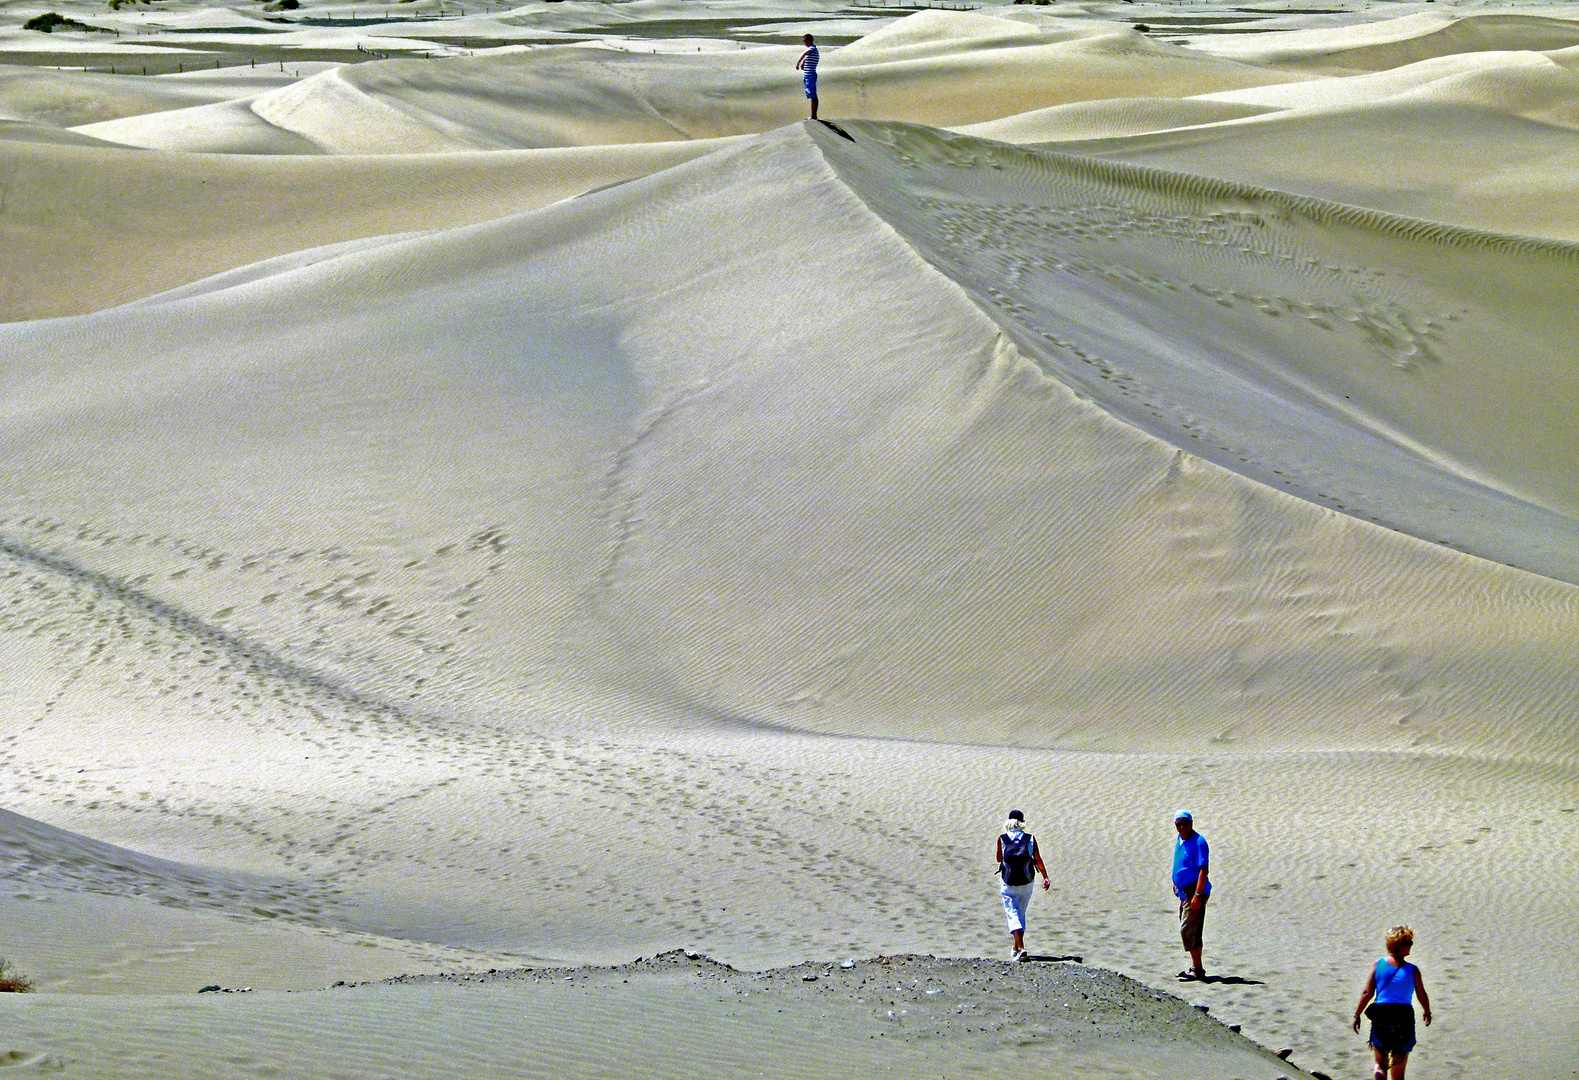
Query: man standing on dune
(1191, 860)
(808, 64)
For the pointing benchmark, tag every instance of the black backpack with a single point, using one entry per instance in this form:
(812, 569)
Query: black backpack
(1019, 859)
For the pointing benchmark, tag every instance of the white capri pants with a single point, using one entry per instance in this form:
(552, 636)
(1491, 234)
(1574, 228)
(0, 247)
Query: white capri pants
(1016, 899)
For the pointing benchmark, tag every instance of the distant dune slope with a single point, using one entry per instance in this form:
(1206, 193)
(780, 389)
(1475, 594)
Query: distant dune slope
(606, 456)
(66, 99)
(1533, 85)
(1482, 139)
(1394, 42)
(1112, 117)
(1461, 163)
(87, 227)
(932, 68)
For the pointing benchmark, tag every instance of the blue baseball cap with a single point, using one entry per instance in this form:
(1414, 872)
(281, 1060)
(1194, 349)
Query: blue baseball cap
(1183, 815)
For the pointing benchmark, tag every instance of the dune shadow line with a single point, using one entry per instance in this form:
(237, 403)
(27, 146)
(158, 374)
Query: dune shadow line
(264, 661)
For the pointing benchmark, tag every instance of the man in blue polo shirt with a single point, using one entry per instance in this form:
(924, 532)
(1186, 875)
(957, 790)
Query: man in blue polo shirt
(1191, 860)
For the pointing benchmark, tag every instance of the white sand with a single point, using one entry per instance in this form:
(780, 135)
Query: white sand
(423, 569)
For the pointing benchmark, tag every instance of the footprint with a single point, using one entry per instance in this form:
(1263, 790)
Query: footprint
(36, 1060)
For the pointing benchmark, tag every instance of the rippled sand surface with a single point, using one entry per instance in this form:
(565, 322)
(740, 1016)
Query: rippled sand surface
(502, 493)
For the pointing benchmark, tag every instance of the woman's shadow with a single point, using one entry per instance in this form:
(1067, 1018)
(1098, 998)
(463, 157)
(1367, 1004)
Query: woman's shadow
(1229, 980)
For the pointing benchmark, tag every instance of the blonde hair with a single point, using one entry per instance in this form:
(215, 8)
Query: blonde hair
(1398, 936)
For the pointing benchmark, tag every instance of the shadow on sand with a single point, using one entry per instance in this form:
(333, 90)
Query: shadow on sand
(1226, 980)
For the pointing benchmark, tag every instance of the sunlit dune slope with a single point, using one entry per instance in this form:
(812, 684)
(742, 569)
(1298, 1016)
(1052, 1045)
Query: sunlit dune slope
(1394, 355)
(877, 471)
(224, 127)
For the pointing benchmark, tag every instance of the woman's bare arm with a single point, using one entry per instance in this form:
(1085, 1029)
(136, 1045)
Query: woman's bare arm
(1425, 999)
(1365, 996)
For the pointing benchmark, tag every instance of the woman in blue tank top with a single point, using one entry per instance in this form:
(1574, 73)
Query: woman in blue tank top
(1394, 983)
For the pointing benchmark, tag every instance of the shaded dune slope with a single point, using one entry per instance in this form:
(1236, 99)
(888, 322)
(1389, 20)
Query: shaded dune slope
(880, 510)
(42, 858)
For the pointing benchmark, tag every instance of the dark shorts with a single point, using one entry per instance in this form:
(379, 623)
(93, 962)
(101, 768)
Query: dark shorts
(811, 85)
(1392, 1027)
(1191, 922)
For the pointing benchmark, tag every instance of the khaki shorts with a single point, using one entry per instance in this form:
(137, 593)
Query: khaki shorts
(1191, 922)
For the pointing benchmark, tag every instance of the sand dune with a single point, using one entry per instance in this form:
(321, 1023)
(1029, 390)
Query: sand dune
(1110, 118)
(572, 96)
(1507, 174)
(1371, 140)
(1393, 43)
(25, 131)
(1528, 85)
(932, 67)
(1293, 345)
(1531, 85)
(89, 228)
(227, 127)
(471, 514)
(60, 99)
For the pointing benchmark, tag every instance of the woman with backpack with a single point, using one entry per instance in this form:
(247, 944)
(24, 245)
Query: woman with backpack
(1393, 982)
(1019, 860)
